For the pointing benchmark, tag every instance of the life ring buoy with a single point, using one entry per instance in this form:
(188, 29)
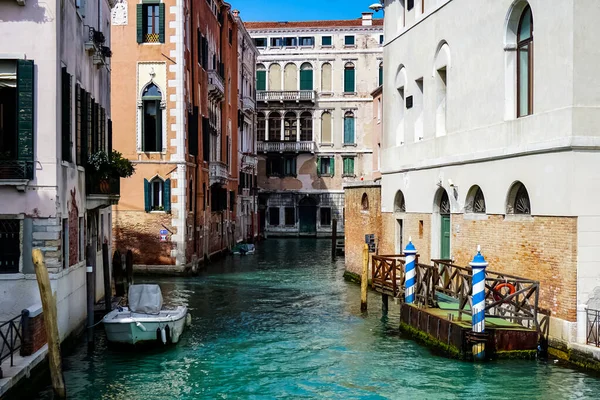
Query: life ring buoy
(497, 288)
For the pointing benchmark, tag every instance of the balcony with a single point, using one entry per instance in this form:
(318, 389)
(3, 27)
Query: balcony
(286, 147)
(286, 95)
(216, 87)
(249, 105)
(249, 161)
(218, 172)
(15, 173)
(101, 193)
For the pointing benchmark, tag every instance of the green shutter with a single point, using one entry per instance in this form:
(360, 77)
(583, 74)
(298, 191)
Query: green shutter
(349, 80)
(380, 75)
(161, 23)
(348, 130)
(306, 79)
(326, 41)
(445, 240)
(332, 166)
(167, 195)
(140, 23)
(84, 127)
(25, 108)
(294, 166)
(261, 80)
(147, 191)
(67, 142)
(319, 166)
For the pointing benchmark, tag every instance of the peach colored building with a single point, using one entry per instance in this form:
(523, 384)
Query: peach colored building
(176, 114)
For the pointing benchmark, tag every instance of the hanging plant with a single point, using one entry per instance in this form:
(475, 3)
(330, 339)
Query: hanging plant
(105, 166)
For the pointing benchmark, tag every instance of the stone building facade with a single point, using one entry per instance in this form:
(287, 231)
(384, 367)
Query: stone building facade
(314, 125)
(176, 118)
(54, 114)
(489, 138)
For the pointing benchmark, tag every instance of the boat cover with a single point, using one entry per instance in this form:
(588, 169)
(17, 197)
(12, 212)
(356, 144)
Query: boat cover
(145, 299)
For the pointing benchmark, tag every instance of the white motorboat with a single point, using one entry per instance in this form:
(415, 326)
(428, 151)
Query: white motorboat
(145, 320)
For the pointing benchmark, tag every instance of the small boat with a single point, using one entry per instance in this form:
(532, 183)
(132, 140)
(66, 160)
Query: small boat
(243, 249)
(145, 320)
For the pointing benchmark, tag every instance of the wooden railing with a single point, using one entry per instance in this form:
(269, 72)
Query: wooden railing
(387, 274)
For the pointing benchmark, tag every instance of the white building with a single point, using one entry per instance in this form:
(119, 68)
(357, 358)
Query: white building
(490, 138)
(246, 221)
(54, 112)
(314, 84)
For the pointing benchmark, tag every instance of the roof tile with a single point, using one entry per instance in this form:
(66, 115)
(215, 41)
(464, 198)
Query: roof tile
(310, 24)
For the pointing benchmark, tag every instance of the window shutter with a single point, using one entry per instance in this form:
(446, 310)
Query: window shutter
(351, 123)
(146, 195)
(140, 23)
(25, 104)
(351, 166)
(332, 166)
(66, 115)
(319, 166)
(306, 79)
(261, 80)
(347, 130)
(110, 136)
(84, 127)
(90, 114)
(380, 76)
(161, 23)
(167, 195)
(294, 166)
(349, 80)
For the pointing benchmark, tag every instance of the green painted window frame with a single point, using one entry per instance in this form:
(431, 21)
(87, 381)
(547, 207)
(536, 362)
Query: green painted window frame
(142, 20)
(349, 79)
(261, 80)
(348, 166)
(349, 40)
(349, 129)
(326, 41)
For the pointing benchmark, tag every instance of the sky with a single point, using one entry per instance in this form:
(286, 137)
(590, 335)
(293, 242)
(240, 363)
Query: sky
(301, 10)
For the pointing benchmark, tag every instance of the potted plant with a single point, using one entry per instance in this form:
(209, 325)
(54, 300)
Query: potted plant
(106, 166)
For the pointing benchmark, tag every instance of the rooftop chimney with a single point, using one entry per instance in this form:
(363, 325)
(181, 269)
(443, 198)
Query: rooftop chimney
(367, 18)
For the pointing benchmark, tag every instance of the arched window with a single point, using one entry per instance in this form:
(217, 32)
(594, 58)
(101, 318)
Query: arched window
(475, 201)
(364, 202)
(261, 77)
(326, 127)
(398, 114)
(525, 63)
(274, 127)
(157, 194)
(260, 127)
(518, 200)
(151, 119)
(306, 77)
(306, 127)
(290, 127)
(274, 77)
(349, 127)
(290, 77)
(326, 77)
(349, 85)
(445, 204)
(399, 204)
(381, 73)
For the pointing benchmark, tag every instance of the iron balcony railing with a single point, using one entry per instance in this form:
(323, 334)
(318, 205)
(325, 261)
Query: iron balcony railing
(215, 83)
(102, 186)
(218, 172)
(11, 339)
(248, 103)
(286, 147)
(16, 170)
(286, 95)
(593, 327)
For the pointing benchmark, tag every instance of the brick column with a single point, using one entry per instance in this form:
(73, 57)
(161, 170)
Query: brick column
(33, 330)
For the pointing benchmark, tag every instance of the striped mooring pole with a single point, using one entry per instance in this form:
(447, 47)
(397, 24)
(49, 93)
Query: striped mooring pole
(409, 272)
(478, 317)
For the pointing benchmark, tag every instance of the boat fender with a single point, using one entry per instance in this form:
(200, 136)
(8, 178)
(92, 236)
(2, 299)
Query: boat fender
(163, 336)
(174, 336)
(167, 334)
(139, 325)
(158, 335)
(188, 319)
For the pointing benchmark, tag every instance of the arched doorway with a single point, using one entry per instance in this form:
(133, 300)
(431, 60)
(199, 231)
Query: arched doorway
(307, 214)
(445, 226)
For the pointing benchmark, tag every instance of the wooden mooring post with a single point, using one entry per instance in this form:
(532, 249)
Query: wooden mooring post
(118, 274)
(91, 292)
(50, 324)
(384, 303)
(333, 239)
(106, 271)
(129, 268)
(364, 279)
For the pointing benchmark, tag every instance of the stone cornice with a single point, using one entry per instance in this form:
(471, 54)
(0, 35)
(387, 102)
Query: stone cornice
(359, 29)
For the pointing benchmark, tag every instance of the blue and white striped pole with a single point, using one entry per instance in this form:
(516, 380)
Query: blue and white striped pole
(409, 272)
(478, 312)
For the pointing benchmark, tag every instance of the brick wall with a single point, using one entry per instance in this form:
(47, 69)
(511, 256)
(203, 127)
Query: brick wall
(34, 337)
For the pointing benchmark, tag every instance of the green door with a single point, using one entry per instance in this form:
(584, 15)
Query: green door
(445, 245)
(307, 215)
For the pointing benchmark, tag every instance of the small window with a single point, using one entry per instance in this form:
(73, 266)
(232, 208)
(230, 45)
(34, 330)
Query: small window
(325, 216)
(276, 42)
(157, 195)
(289, 166)
(152, 18)
(290, 41)
(307, 41)
(260, 42)
(325, 166)
(10, 245)
(348, 166)
(274, 216)
(325, 40)
(525, 64)
(274, 166)
(349, 40)
(380, 39)
(290, 216)
(364, 202)
(410, 4)
(518, 200)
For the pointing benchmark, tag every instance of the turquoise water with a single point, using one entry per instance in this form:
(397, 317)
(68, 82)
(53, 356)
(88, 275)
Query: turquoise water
(284, 324)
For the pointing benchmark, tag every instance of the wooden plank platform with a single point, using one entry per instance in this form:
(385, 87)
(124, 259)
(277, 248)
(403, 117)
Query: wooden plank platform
(433, 327)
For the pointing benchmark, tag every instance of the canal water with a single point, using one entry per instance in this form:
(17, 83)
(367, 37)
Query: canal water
(283, 323)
